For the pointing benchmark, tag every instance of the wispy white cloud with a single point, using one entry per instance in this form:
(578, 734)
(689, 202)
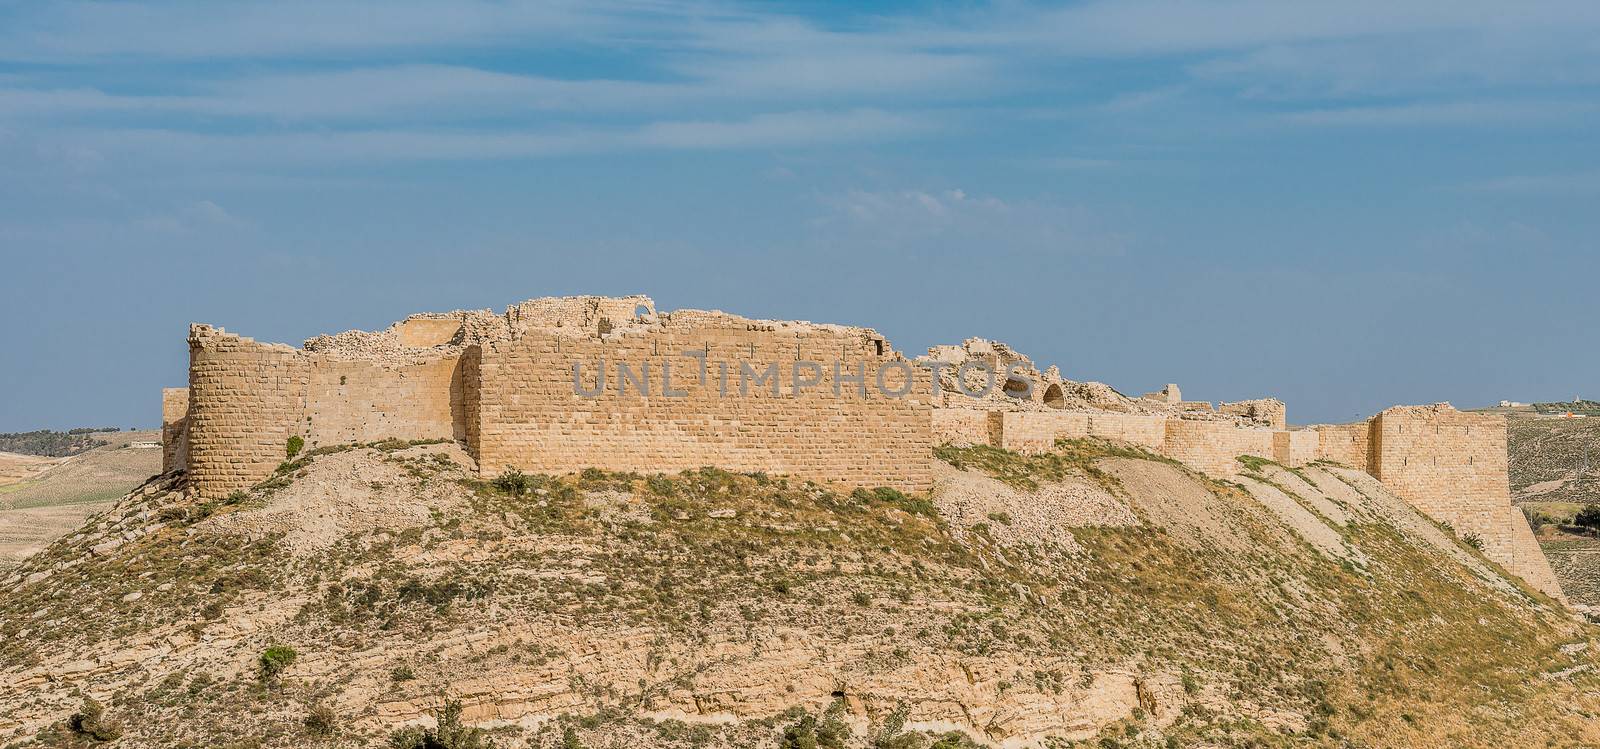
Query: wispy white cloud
(787, 129)
(1569, 182)
(1472, 113)
(954, 221)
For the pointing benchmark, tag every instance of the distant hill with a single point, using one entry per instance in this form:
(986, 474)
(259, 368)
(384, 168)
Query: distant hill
(52, 444)
(1554, 460)
(1587, 407)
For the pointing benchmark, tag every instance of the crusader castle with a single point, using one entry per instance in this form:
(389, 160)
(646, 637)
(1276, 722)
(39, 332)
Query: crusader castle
(560, 384)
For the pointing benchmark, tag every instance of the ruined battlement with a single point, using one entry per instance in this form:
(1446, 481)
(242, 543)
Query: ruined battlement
(560, 384)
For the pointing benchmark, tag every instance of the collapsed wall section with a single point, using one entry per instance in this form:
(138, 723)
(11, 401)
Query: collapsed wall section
(640, 404)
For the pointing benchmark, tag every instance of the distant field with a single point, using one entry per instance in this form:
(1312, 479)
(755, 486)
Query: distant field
(43, 498)
(1577, 566)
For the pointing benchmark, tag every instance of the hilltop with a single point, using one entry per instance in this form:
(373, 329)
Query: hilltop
(1094, 595)
(52, 444)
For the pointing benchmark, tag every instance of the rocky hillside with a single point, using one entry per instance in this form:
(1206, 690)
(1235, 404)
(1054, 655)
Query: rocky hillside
(381, 596)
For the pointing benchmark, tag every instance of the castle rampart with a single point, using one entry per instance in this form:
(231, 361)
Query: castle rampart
(561, 384)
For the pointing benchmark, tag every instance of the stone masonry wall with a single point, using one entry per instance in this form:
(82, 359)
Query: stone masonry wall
(174, 428)
(532, 418)
(1214, 447)
(1453, 466)
(1037, 431)
(1346, 444)
(350, 401)
(1295, 447)
(245, 400)
(961, 426)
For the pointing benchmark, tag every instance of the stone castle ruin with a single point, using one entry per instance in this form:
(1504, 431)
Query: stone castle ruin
(556, 385)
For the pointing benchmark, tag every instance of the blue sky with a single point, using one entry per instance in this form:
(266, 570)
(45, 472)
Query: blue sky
(1345, 205)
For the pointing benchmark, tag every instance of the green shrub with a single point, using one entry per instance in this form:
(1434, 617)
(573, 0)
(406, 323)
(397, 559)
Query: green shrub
(402, 673)
(296, 444)
(275, 659)
(809, 733)
(1474, 540)
(450, 733)
(90, 722)
(513, 482)
(1588, 517)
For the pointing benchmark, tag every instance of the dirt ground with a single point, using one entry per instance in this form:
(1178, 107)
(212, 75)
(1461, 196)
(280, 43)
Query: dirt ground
(43, 498)
(25, 531)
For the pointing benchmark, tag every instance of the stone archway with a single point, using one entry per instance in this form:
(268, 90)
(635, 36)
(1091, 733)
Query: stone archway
(1054, 397)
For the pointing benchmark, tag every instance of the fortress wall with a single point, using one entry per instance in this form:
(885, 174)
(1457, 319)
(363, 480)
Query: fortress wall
(961, 426)
(1037, 431)
(1140, 429)
(1213, 447)
(1453, 466)
(245, 401)
(174, 428)
(350, 401)
(532, 419)
(1346, 444)
(1295, 448)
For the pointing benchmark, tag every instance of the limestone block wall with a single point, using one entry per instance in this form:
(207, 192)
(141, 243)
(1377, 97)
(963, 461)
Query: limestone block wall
(245, 400)
(1140, 429)
(174, 428)
(579, 312)
(1295, 447)
(1037, 431)
(962, 426)
(1453, 466)
(531, 417)
(1346, 444)
(1214, 447)
(351, 401)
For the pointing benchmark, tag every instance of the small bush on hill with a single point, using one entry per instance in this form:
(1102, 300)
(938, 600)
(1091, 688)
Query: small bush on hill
(513, 482)
(275, 659)
(90, 723)
(322, 721)
(294, 446)
(450, 733)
